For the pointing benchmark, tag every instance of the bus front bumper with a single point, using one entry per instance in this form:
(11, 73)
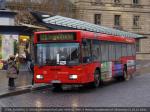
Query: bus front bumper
(62, 79)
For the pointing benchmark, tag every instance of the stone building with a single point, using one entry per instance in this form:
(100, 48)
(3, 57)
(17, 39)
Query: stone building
(127, 15)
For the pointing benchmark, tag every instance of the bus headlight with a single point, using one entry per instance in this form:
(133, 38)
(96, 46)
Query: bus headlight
(73, 76)
(39, 76)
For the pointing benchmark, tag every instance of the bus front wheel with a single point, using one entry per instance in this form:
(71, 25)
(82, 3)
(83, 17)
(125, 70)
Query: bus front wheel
(97, 79)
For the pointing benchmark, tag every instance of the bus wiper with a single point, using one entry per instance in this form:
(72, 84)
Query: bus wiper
(51, 62)
(71, 63)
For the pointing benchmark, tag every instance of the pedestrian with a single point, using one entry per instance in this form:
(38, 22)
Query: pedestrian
(11, 72)
(32, 71)
(28, 59)
(5, 66)
(17, 63)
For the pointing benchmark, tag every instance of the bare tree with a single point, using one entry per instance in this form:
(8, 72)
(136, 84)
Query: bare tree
(54, 7)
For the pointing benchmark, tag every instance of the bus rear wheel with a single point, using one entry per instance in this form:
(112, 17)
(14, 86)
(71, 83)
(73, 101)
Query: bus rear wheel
(97, 80)
(126, 76)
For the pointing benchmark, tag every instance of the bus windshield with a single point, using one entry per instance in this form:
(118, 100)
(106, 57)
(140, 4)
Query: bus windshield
(58, 54)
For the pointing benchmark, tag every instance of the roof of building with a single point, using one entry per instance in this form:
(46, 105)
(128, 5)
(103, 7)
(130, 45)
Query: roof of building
(16, 29)
(7, 13)
(32, 26)
(60, 22)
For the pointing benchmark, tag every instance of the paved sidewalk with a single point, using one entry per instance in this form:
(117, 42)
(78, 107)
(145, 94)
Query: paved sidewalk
(24, 80)
(23, 84)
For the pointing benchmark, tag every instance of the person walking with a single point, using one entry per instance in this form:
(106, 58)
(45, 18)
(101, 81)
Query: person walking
(32, 71)
(11, 72)
(28, 59)
(17, 63)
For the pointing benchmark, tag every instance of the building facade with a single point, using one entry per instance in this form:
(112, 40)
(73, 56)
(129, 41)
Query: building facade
(13, 38)
(7, 38)
(127, 15)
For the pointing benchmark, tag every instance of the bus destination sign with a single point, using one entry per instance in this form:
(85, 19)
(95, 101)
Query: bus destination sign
(56, 36)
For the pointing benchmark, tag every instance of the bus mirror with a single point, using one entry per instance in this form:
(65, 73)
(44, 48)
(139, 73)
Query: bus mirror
(84, 42)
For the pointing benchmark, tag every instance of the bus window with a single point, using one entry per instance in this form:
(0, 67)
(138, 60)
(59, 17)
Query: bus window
(104, 51)
(86, 51)
(58, 54)
(111, 51)
(129, 49)
(133, 50)
(124, 50)
(95, 50)
(118, 50)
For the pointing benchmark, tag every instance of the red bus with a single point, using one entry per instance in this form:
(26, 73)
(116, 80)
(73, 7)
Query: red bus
(81, 57)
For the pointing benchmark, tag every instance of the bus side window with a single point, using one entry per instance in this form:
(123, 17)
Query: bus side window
(129, 49)
(133, 50)
(111, 51)
(104, 50)
(95, 50)
(86, 51)
(118, 51)
(124, 50)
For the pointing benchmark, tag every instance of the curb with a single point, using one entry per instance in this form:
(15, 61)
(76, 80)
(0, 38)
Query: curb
(19, 91)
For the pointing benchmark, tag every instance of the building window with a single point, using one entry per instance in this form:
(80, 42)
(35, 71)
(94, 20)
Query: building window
(97, 18)
(136, 20)
(135, 2)
(137, 45)
(116, 1)
(117, 20)
(98, 1)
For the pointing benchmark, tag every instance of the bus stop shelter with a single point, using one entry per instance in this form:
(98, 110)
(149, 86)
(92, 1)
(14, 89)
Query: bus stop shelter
(54, 22)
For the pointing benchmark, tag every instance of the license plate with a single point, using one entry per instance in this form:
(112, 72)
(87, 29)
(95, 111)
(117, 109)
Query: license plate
(55, 81)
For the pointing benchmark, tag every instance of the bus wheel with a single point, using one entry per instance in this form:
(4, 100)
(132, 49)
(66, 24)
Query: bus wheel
(97, 79)
(125, 75)
(118, 78)
(57, 87)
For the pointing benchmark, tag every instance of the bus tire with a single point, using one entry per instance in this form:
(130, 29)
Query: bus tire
(125, 75)
(119, 78)
(97, 80)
